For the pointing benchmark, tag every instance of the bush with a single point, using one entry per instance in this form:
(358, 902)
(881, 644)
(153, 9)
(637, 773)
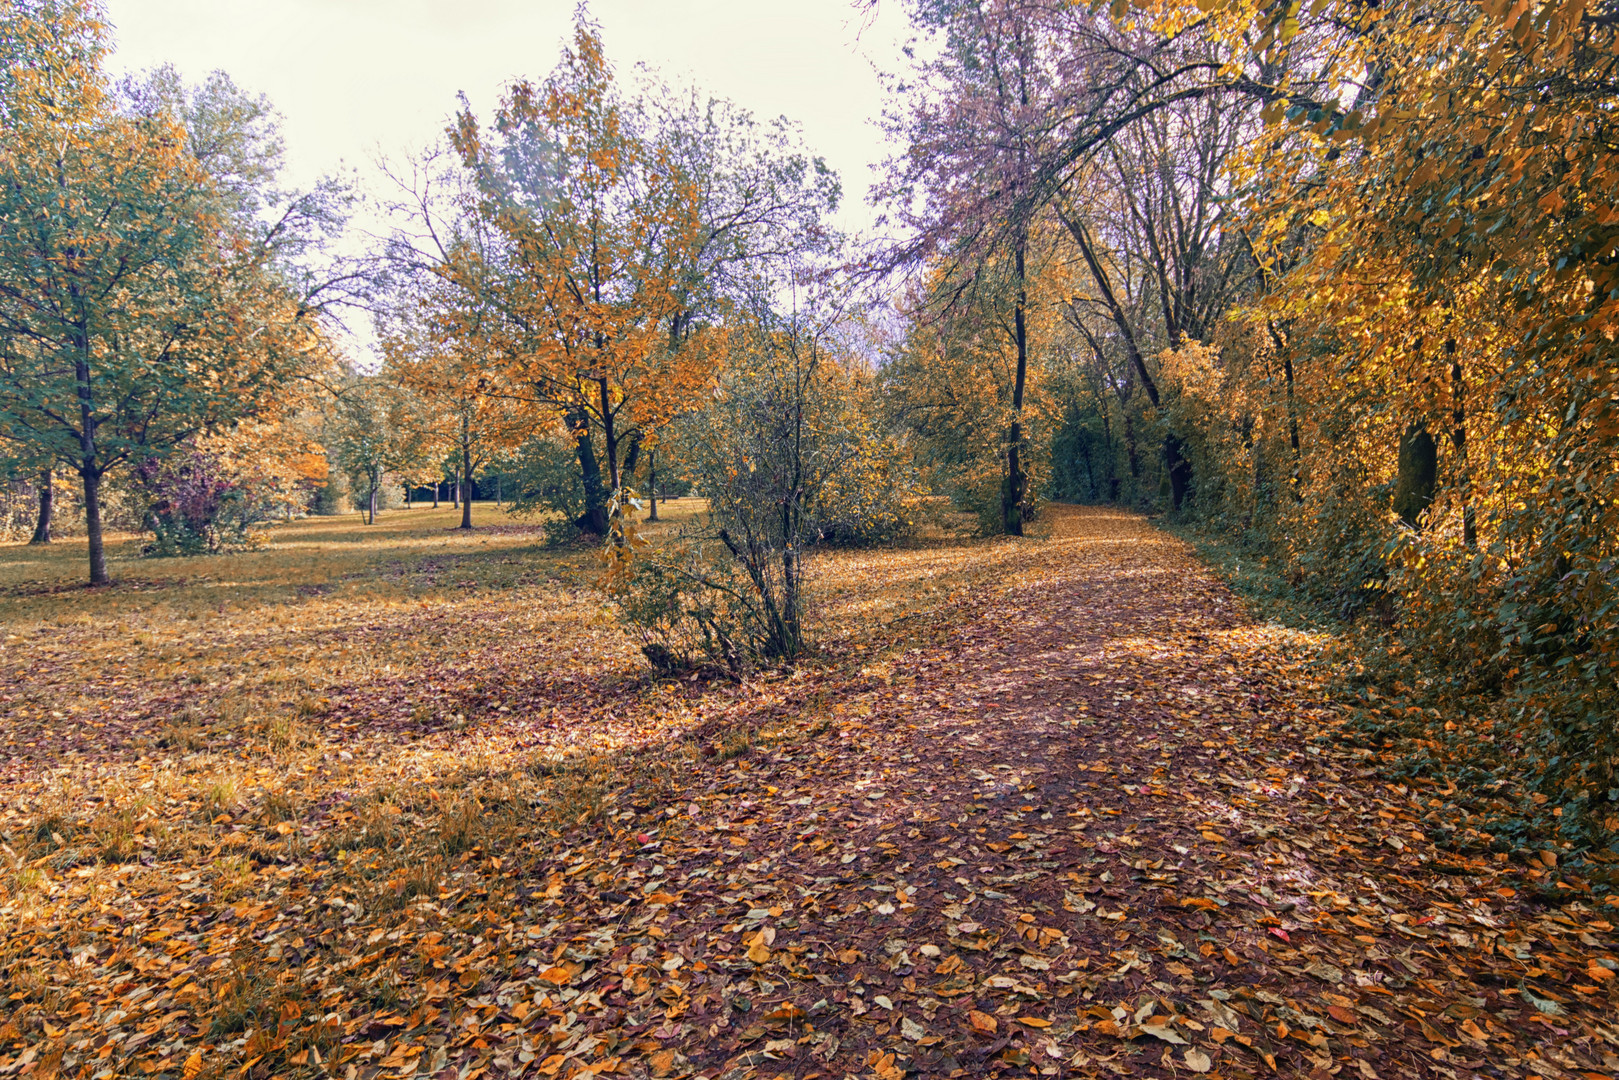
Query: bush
(789, 455)
(544, 477)
(196, 507)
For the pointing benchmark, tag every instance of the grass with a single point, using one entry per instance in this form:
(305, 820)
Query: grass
(357, 720)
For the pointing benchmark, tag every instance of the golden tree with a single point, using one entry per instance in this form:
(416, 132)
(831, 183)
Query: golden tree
(598, 231)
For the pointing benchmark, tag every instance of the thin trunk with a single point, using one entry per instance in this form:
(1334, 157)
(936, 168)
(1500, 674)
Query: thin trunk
(1292, 409)
(436, 485)
(371, 501)
(1179, 467)
(407, 495)
(1111, 472)
(92, 523)
(1458, 440)
(1012, 495)
(455, 494)
(89, 470)
(497, 489)
(609, 437)
(1132, 457)
(652, 483)
(466, 473)
(47, 509)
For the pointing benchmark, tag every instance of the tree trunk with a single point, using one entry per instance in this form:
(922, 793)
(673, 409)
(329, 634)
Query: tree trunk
(1131, 456)
(407, 495)
(1179, 468)
(92, 524)
(466, 473)
(1013, 490)
(1417, 474)
(1111, 471)
(89, 471)
(47, 508)
(594, 519)
(371, 502)
(652, 483)
(609, 438)
(1458, 440)
(436, 485)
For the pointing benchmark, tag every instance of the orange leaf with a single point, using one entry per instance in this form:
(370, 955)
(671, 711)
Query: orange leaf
(982, 1022)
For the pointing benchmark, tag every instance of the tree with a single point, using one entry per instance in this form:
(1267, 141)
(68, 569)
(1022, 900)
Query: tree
(148, 288)
(622, 228)
(598, 231)
(433, 349)
(377, 431)
(788, 454)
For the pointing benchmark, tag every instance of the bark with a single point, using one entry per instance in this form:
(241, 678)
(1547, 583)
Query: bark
(1179, 467)
(1130, 454)
(436, 486)
(466, 476)
(1417, 474)
(92, 523)
(609, 437)
(594, 519)
(1111, 472)
(47, 509)
(652, 483)
(1292, 409)
(1013, 490)
(1458, 440)
(90, 469)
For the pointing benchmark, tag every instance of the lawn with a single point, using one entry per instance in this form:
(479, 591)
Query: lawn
(352, 715)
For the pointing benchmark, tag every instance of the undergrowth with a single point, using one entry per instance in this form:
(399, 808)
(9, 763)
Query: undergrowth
(1420, 724)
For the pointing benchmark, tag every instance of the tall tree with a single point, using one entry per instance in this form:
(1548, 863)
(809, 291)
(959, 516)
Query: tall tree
(143, 296)
(433, 348)
(599, 229)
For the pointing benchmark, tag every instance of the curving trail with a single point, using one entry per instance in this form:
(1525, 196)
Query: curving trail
(1092, 833)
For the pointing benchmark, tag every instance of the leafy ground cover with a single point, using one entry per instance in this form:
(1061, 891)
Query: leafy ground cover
(401, 801)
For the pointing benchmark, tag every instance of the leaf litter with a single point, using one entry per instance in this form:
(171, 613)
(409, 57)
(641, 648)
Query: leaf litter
(1063, 809)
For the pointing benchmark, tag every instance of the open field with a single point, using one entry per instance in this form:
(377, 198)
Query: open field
(401, 801)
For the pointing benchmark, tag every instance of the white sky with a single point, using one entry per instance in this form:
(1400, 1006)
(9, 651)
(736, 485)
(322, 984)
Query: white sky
(357, 77)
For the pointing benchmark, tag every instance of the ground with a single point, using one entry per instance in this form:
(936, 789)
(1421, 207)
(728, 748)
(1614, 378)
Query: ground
(401, 801)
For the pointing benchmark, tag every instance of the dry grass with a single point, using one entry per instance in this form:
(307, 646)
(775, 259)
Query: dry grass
(362, 717)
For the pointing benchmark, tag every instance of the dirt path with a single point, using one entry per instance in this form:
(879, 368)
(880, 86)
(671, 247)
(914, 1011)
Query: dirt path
(1092, 835)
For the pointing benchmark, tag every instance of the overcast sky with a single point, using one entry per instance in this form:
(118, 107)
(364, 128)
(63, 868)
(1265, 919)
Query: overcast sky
(355, 77)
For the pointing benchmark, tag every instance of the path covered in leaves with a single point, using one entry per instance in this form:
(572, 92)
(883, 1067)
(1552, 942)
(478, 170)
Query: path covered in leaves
(1091, 822)
(1100, 830)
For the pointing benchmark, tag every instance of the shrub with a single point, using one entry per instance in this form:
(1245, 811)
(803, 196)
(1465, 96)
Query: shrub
(197, 507)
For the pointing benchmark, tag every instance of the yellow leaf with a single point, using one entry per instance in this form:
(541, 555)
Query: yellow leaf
(759, 952)
(1033, 1021)
(193, 1065)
